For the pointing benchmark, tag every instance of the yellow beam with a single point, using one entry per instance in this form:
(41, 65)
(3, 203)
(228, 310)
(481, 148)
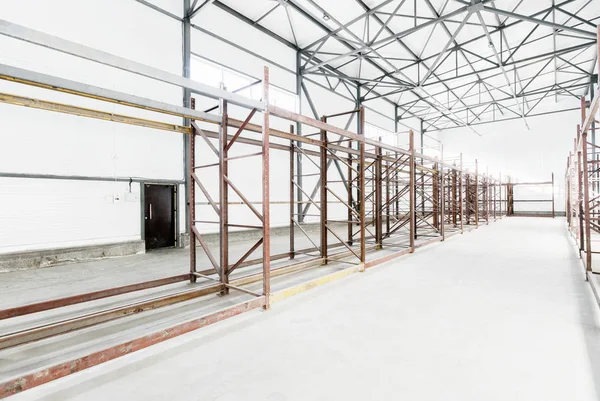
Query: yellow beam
(97, 97)
(90, 113)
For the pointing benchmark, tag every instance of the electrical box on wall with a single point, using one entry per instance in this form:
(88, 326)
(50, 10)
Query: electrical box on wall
(118, 197)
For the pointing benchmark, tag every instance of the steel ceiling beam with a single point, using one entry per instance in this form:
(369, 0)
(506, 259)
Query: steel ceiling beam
(324, 27)
(502, 68)
(457, 47)
(573, 84)
(504, 27)
(392, 38)
(398, 40)
(192, 12)
(368, 49)
(445, 49)
(538, 21)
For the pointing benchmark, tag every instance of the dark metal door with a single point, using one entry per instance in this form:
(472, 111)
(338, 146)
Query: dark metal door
(159, 216)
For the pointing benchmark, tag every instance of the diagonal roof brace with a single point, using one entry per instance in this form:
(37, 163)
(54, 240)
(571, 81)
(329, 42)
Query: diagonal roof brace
(390, 39)
(447, 110)
(504, 73)
(475, 8)
(538, 21)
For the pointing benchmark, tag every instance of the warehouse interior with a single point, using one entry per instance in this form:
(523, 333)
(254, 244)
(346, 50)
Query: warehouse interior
(299, 199)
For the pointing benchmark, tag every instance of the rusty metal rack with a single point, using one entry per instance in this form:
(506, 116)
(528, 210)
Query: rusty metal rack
(453, 198)
(378, 203)
(511, 200)
(471, 197)
(582, 185)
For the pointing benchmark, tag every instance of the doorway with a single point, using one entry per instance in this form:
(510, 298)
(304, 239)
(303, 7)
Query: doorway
(159, 215)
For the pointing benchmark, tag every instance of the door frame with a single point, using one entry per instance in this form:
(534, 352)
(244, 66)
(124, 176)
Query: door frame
(175, 186)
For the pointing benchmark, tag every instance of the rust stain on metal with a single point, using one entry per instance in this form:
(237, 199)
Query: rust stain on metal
(17, 385)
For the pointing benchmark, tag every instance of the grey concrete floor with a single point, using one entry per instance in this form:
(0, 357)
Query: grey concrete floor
(502, 313)
(28, 286)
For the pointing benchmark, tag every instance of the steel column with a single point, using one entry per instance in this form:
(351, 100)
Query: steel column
(266, 200)
(412, 191)
(224, 196)
(361, 183)
(323, 197)
(476, 194)
(292, 203)
(191, 191)
(378, 210)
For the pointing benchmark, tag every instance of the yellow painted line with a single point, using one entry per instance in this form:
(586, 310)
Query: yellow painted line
(303, 287)
(297, 289)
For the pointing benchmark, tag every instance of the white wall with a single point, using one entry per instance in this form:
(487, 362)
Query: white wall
(42, 213)
(525, 155)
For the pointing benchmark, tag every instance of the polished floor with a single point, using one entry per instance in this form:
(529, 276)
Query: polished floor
(503, 313)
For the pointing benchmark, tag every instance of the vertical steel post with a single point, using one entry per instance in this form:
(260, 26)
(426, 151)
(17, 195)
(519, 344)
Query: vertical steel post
(476, 194)
(488, 198)
(500, 195)
(507, 207)
(191, 191)
(266, 201)
(350, 187)
(508, 196)
(435, 196)
(397, 156)
(586, 189)
(292, 204)
(323, 200)
(412, 191)
(568, 192)
(586, 204)
(299, 178)
(224, 196)
(397, 190)
(495, 199)
(377, 210)
(553, 195)
(593, 130)
(468, 198)
(580, 190)
(442, 191)
(454, 196)
(511, 198)
(460, 195)
(387, 198)
(187, 96)
(422, 129)
(361, 184)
